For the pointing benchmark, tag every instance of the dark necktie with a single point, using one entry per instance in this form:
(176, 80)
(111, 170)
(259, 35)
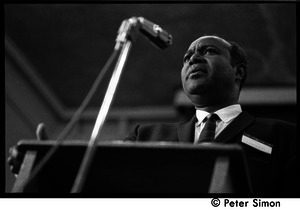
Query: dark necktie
(208, 132)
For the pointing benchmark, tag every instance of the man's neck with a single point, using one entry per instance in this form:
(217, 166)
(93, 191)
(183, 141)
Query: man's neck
(210, 105)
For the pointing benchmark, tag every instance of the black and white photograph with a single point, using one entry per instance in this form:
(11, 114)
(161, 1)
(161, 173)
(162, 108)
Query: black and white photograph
(131, 100)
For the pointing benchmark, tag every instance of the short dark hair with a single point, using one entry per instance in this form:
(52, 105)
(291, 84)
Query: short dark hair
(238, 56)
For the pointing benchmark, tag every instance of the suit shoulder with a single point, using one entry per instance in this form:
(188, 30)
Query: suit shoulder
(272, 131)
(275, 123)
(154, 132)
(158, 126)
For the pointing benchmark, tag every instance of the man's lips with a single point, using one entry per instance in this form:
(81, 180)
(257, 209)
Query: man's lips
(196, 70)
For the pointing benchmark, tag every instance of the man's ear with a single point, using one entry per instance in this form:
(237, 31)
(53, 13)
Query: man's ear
(240, 72)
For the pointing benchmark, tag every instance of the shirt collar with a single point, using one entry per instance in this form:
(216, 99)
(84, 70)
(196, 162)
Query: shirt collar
(226, 114)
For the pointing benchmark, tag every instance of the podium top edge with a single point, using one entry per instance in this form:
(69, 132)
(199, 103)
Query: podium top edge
(129, 144)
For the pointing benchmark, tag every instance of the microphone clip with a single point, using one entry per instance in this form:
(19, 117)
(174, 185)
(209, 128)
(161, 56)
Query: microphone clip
(127, 31)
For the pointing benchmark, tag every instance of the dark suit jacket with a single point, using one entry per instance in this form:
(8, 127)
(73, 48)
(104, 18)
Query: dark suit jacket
(270, 174)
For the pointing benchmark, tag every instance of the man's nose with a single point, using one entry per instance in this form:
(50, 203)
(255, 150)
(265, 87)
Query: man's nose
(196, 58)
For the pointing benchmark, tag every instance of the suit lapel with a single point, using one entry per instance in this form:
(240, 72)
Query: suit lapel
(186, 131)
(235, 127)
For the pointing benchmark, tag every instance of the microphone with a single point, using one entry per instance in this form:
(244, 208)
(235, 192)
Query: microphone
(155, 33)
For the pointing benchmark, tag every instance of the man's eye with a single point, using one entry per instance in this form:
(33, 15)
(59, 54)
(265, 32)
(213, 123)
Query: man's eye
(209, 51)
(186, 58)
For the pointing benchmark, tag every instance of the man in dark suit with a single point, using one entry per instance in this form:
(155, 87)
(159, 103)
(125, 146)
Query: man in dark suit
(213, 74)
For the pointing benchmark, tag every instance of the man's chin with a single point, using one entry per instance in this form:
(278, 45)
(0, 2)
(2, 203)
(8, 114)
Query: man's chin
(195, 89)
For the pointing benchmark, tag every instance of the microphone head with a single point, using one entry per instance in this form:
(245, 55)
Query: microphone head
(159, 37)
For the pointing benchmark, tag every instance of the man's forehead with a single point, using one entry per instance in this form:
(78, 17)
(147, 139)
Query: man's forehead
(210, 40)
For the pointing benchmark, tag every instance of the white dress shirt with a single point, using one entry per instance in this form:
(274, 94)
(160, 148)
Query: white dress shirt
(226, 116)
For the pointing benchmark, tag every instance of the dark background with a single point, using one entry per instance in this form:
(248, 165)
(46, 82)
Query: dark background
(68, 44)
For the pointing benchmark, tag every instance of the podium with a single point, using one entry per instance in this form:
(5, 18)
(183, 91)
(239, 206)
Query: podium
(136, 169)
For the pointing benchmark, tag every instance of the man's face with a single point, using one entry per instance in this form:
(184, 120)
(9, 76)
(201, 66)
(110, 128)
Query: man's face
(207, 69)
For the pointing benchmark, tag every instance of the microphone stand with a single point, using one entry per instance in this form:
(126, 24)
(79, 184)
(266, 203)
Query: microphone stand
(127, 31)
